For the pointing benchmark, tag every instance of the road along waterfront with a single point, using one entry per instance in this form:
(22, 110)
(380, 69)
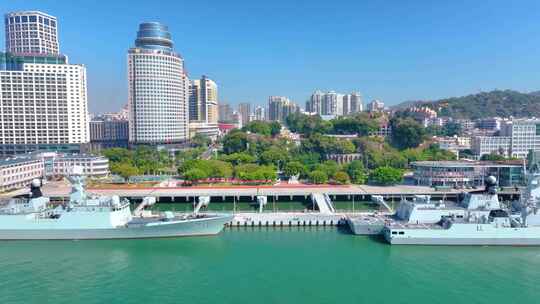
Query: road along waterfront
(265, 265)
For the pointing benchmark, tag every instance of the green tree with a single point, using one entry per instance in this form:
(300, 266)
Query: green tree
(239, 158)
(357, 172)
(294, 168)
(341, 178)
(255, 172)
(451, 129)
(125, 170)
(116, 155)
(386, 176)
(258, 127)
(407, 133)
(275, 128)
(274, 156)
(318, 177)
(330, 167)
(235, 141)
(201, 140)
(492, 157)
(195, 174)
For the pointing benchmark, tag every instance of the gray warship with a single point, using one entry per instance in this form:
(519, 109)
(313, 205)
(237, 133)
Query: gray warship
(518, 224)
(100, 217)
(421, 210)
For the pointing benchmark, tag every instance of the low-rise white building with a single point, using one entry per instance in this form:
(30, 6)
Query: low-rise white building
(93, 166)
(18, 172)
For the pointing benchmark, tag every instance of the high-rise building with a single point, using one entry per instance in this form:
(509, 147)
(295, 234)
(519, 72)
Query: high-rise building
(314, 104)
(225, 112)
(352, 103)
(158, 88)
(31, 32)
(375, 106)
(244, 109)
(203, 100)
(332, 103)
(280, 107)
(260, 113)
(43, 97)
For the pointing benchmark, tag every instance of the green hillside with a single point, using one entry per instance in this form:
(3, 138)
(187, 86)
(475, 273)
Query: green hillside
(486, 104)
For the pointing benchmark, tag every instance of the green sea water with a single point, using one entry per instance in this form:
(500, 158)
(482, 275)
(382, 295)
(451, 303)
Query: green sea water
(265, 265)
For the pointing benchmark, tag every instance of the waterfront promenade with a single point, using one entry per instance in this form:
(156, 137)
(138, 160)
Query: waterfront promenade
(61, 189)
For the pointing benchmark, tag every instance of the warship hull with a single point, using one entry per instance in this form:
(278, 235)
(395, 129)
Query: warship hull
(467, 235)
(157, 229)
(466, 241)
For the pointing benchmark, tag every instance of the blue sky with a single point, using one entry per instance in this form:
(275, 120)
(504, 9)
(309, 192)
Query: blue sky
(391, 50)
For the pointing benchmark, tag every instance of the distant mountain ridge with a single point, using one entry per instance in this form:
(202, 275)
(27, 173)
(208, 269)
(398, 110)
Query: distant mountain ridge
(503, 103)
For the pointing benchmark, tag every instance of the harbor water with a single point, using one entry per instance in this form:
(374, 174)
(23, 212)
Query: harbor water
(265, 265)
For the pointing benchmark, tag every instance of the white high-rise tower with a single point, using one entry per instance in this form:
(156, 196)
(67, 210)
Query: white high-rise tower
(158, 88)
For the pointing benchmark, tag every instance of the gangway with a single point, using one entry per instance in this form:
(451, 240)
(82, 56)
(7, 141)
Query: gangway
(380, 200)
(323, 202)
(148, 201)
(204, 201)
(261, 201)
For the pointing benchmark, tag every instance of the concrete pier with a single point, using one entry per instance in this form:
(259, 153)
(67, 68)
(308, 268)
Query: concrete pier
(288, 219)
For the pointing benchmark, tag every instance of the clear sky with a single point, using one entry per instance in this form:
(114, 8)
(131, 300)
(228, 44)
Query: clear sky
(391, 50)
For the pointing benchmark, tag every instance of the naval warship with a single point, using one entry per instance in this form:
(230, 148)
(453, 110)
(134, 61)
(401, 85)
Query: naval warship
(98, 217)
(421, 210)
(518, 224)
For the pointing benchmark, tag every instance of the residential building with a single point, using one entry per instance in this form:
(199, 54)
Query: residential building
(203, 100)
(31, 32)
(334, 104)
(44, 98)
(158, 88)
(280, 107)
(375, 106)
(244, 109)
(225, 112)
(315, 102)
(352, 103)
(260, 113)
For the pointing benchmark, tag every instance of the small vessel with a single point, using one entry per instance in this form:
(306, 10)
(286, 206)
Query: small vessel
(102, 217)
(421, 210)
(516, 225)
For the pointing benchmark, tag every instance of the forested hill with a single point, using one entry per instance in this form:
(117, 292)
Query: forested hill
(486, 104)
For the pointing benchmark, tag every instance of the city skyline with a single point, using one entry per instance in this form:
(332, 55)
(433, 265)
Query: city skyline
(380, 51)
